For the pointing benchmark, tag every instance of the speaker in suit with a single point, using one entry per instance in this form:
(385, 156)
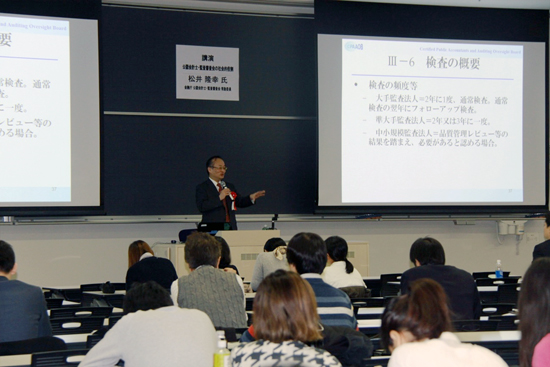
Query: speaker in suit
(212, 208)
(214, 199)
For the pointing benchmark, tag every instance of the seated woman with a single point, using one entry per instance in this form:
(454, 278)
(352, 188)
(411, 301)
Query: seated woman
(534, 313)
(225, 261)
(144, 266)
(273, 258)
(285, 319)
(340, 272)
(416, 330)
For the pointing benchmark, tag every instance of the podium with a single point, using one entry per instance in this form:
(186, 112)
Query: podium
(244, 245)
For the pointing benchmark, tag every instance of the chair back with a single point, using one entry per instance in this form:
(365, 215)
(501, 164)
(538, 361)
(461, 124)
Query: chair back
(390, 284)
(475, 325)
(356, 292)
(508, 293)
(376, 362)
(76, 325)
(96, 287)
(508, 322)
(483, 282)
(80, 312)
(70, 357)
(29, 346)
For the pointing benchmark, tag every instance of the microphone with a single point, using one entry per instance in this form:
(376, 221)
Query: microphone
(232, 195)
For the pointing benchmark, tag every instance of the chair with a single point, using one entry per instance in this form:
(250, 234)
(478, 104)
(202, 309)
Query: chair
(58, 358)
(104, 312)
(488, 274)
(95, 337)
(29, 346)
(390, 284)
(356, 292)
(496, 309)
(475, 325)
(96, 287)
(374, 285)
(182, 235)
(508, 322)
(484, 282)
(508, 293)
(376, 361)
(76, 325)
(54, 303)
(113, 319)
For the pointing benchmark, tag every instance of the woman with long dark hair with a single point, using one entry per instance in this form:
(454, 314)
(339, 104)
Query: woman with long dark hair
(340, 272)
(534, 315)
(416, 330)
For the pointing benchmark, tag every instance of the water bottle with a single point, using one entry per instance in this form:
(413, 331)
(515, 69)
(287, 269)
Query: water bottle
(498, 272)
(222, 354)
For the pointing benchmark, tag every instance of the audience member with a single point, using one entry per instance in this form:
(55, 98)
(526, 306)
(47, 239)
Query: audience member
(307, 255)
(340, 272)
(285, 320)
(144, 266)
(273, 258)
(534, 315)
(164, 335)
(416, 329)
(207, 288)
(23, 311)
(146, 296)
(428, 256)
(543, 249)
(225, 261)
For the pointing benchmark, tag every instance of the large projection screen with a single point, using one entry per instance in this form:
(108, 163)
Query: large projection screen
(49, 108)
(431, 125)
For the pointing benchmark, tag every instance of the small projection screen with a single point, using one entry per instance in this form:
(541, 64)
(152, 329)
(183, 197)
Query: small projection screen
(50, 107)
(431, 110)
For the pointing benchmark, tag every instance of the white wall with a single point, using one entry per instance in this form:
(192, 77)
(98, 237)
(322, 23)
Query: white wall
(69, 255)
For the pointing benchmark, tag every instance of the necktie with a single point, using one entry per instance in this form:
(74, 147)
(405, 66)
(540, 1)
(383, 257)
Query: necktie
(227, 219)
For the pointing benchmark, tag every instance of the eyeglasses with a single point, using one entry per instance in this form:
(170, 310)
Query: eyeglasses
(224, 168)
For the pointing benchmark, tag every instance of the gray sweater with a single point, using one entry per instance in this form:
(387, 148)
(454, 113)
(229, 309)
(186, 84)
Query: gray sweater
(215, 292)
(266, 263)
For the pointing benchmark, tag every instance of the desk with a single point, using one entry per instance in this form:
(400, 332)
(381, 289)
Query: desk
(370, 312)
(17, 360)
(488, 336)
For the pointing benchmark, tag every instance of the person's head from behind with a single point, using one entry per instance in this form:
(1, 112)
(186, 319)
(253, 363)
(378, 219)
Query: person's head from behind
(307, 253)
(421, 314)
(202, 249)
(285, 309)
(337, 250)
(146, 296)
(273, 243)
(8, 266)
(547, 226)
(136, 250)
(225, 260)
(534, 308)
(427, 251)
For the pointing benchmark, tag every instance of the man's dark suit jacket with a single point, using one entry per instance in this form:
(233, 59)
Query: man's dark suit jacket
(459, 285)
(23, 311)
(159, 269)
(211, 207)
(541, 250)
